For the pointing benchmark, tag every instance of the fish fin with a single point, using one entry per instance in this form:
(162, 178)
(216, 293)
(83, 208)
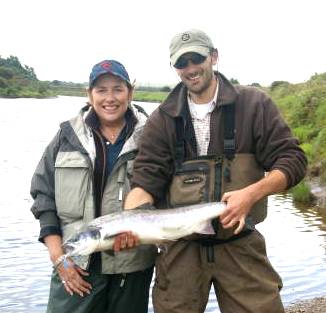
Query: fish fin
(205, 228)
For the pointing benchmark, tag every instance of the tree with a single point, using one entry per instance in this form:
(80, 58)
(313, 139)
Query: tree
(3, 83)
(166, 89)
(6, 73)
(279, 83)
(234, 81)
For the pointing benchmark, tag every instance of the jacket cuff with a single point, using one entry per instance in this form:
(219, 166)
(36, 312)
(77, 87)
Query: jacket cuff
(50, 225)
(49, 230)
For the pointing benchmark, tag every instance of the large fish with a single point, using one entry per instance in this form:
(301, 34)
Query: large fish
(151, 226)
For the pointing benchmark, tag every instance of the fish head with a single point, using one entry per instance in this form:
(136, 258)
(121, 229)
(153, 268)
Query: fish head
(83, 243)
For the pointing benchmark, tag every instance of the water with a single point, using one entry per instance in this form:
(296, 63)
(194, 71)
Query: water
(296, 237)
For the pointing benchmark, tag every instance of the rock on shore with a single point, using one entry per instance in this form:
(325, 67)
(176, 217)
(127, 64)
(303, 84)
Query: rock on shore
(316, 305)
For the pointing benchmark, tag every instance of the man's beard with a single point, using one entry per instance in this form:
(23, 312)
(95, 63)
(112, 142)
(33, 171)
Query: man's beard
(202, 87)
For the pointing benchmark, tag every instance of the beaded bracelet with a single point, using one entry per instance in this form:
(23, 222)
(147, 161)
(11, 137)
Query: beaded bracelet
(59, 261)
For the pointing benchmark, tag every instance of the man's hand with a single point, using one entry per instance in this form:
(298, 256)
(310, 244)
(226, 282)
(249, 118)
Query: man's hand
(125, 240)
(239, 203)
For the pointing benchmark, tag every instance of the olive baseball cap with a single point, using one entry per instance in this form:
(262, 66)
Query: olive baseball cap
(193, 40)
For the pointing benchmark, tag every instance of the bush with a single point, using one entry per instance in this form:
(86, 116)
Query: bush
(166, 89)
(6, 73)
(279, 83)
(3, 83)
(301, 193)
(308, 149)
(319, 146)
(303, 133)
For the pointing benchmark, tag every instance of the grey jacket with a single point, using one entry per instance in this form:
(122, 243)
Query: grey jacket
(63, 191)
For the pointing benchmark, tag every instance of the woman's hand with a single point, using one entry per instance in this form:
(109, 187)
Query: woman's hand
(71, 276)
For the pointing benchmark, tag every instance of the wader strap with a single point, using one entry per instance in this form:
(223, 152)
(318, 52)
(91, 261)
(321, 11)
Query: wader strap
(180, 142)
(210, 254)
(229, 126)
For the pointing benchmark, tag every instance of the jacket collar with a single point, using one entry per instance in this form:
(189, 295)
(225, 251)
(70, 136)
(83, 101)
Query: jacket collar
(78, 130)
(176, 101)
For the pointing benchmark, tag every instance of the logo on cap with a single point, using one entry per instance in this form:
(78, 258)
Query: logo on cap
(106, 65)
(185, 37)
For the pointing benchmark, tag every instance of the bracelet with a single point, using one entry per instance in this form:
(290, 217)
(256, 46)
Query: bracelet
(59, 261)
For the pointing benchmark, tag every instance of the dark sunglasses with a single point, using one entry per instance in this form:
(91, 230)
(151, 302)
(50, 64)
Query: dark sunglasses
(195, 58)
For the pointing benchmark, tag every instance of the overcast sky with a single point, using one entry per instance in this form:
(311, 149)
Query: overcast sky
(258, 40)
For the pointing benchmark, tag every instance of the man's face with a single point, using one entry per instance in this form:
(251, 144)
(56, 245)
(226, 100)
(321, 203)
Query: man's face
(196, 75)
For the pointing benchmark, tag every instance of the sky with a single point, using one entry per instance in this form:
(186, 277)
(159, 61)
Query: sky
(259, 41)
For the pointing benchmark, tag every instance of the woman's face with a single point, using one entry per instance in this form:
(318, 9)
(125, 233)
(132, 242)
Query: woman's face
(110, 97)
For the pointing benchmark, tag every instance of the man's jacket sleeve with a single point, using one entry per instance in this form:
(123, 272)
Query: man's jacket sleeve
(276, 148)
(153, 166)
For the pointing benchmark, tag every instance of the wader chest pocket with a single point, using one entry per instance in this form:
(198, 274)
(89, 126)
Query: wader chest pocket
(194, 182)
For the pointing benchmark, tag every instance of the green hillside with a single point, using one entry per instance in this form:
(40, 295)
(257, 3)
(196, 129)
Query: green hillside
(18, 81)
(304, 108)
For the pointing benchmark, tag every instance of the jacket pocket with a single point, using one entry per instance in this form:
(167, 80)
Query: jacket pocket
(72, 177)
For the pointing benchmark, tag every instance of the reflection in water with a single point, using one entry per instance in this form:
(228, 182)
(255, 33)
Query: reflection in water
(296, 245)
(295, 235)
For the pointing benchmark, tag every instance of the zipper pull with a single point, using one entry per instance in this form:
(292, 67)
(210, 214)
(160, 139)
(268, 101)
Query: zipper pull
(120, 194)
(123, 280)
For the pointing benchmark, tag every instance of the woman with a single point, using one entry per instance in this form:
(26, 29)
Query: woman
(84, 173)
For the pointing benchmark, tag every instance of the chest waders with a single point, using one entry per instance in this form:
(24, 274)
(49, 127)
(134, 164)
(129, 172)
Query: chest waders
(206, 178)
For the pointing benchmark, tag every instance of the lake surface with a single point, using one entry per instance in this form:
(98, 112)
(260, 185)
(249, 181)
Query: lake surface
(295, 236)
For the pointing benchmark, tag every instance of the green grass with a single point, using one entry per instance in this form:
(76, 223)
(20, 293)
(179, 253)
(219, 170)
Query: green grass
(150, 96)
(301, 193)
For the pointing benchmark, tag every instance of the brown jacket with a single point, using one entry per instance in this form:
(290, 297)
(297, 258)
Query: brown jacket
(259, 127)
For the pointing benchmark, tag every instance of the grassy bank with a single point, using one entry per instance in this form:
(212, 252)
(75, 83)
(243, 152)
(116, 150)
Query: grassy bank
(304, 108)
(139, 95)
(150, 96)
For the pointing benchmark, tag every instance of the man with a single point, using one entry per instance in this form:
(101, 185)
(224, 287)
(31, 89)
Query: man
(212, 141)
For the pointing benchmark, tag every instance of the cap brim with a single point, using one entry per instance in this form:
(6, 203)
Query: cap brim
(104, 72)
(204, 51)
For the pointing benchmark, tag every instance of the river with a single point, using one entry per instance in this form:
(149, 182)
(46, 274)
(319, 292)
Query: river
(295, 236)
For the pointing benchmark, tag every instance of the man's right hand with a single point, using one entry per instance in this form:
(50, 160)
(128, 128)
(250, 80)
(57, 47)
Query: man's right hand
(125, 240)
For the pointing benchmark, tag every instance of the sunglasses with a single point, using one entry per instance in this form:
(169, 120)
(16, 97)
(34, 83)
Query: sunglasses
(195, 58)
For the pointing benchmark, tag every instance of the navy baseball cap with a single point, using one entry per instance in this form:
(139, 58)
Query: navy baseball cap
(108, 67)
